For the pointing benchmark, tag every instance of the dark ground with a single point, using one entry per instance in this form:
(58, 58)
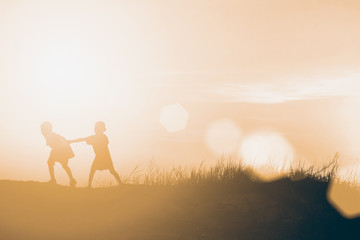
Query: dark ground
(277, 210)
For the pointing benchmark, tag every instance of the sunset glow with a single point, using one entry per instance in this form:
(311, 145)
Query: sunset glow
(179, 119)
(116, 62)
(64, 75)
(268, 153)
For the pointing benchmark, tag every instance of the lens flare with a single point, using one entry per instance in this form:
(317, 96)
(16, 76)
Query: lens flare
(345, 198)
(174, 117)
(269, 154)
(223, 137)
(344, 192)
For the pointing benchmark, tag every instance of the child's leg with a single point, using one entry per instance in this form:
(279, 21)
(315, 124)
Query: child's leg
(69, 173)
(51, 170)
(115, 174)
(91, 176)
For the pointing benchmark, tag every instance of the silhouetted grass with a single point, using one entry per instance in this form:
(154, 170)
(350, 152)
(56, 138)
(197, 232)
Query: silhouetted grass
(225, 171)
(324, 173)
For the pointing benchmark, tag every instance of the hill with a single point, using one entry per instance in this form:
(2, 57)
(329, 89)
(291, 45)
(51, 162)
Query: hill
(247, 210)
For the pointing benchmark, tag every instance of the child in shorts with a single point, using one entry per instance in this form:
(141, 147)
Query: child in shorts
(61, 152)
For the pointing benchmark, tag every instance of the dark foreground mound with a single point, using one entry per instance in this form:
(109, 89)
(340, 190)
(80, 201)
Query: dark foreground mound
(277, 210)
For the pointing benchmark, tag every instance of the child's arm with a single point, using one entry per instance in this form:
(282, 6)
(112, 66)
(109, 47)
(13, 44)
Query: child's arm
(77, 140)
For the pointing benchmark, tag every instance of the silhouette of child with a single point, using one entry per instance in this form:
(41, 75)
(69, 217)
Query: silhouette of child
(60, 152)
(102, 160)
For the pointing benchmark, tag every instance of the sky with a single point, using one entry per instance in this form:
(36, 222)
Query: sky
(288, 69)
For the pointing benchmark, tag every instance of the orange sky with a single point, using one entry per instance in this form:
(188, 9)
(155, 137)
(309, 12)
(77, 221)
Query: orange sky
(288, 66)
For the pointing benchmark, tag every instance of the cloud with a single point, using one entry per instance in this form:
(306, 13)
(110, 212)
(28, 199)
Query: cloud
(251, 87)
(283, 91)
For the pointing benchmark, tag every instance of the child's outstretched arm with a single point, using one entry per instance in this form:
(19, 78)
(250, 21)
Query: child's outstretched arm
(77, 140)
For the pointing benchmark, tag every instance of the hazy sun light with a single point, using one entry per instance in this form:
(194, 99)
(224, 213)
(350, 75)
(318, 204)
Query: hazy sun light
(268, 153)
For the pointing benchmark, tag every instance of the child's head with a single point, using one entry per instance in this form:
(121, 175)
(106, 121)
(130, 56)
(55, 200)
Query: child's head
(46, 128)
(100, 127)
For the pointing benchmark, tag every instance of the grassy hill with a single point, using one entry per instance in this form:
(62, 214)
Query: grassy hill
(219, 209)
